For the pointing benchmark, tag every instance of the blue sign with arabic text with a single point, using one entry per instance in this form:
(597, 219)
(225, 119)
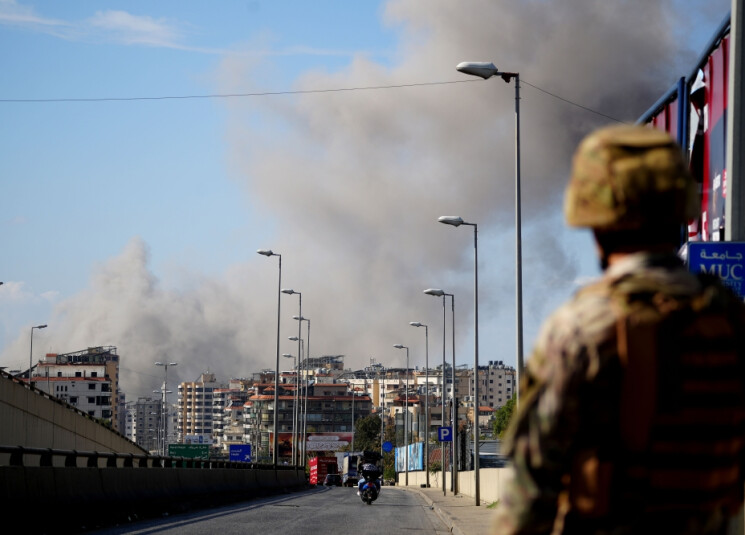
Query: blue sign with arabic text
(726, 260)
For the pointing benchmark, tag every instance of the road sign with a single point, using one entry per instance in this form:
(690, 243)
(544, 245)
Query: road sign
(726, 260)
(190, 451)
(445, 434)
(387, 446)
(240, 452)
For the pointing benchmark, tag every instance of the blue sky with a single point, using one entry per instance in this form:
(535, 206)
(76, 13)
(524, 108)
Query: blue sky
(135, 223)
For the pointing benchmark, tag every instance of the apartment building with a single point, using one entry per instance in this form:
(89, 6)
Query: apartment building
(196, 412)
(87, 380)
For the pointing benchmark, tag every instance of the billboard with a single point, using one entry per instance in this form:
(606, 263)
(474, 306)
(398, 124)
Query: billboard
(714, 174)
(416, 457)
(316, 442)
(695, 113)
(725, 260)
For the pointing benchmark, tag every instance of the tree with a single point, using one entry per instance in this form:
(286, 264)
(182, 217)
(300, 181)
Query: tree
(367, 433)
(502, 417)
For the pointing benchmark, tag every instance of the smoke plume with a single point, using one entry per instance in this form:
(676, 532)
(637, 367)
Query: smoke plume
(353, 183)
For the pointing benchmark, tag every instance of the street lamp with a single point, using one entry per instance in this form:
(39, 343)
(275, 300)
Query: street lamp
(165, 401)
(486, 71)
(275, 441)
(456, 222)
(305, 389)
(294, 404)
(163, 392)
(406, 413)
(290, 291)
(31, 351)
(437, 292)
(426, 396)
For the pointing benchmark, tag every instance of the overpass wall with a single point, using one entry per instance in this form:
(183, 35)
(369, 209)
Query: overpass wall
(73, 497)
(34, 419)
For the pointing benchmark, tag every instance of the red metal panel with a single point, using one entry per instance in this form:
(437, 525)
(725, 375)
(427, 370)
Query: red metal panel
(715, 143)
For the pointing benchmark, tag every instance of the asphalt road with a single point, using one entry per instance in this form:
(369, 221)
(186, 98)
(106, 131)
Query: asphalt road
(320, 511)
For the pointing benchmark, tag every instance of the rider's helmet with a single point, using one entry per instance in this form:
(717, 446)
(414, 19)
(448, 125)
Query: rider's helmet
(629, 178)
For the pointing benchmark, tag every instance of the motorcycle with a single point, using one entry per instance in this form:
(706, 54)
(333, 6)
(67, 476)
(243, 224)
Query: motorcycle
(369, 491)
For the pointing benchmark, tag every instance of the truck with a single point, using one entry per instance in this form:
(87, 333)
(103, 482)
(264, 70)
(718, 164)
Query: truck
(319, 467)
(349, 477)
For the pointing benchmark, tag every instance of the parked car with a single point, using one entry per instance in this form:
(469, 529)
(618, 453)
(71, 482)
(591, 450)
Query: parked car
(332, 480)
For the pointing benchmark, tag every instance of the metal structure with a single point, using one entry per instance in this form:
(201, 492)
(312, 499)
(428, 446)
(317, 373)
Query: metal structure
(456, 222)
(275, 441)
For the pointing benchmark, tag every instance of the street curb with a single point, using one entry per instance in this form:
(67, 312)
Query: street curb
(444, 515)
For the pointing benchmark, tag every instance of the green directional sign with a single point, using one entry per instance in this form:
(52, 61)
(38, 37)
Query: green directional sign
(190, 451)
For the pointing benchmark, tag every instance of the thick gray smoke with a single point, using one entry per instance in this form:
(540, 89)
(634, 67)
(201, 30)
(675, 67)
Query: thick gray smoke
(353, 183)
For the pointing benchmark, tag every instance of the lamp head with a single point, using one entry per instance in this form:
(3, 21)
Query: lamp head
(400, 346)
(265, 252)
(287, 355)
(293, 338)
(451, 220)
(416, 324)
(289, 291)
(481, 69)
(40, 327)
(434, 291)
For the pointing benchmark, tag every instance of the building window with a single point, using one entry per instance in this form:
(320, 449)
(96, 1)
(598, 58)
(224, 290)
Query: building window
(94, 374)
(78, 374)
(91, 386)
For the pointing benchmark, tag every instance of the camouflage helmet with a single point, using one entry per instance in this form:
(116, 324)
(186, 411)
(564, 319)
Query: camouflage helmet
(629, 178)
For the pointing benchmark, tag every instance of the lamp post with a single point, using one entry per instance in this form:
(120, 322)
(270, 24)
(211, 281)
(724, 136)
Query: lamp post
(406, 413)
(353, 395)
(298, 412)
(486, 71)
(294, 410)
(165, 401)
(290, 291)
(426, 396)
(437, 292)
(275, 419)
(163, 393)
(456, 222)
(31, 351)
(301, 319)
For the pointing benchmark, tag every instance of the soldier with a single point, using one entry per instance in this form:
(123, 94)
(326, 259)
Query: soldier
(631, 418)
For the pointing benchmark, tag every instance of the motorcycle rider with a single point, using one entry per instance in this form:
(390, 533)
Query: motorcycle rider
(368, 471)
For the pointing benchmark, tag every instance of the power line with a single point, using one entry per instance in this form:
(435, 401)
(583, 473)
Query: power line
(233, 95)
(278, 93)
(572, 103)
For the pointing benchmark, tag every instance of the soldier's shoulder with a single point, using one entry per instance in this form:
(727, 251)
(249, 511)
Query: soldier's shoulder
(587, 319)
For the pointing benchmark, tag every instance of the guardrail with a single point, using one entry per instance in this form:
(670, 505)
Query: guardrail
(68, 491)
(22, 456)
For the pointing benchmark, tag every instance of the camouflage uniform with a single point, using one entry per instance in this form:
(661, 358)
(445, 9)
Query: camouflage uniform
(621, 430)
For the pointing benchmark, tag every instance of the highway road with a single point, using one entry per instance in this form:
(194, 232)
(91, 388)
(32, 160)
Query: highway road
(319, 511)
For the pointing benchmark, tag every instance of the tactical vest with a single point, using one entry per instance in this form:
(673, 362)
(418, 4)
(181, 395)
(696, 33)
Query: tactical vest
(681, 417)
